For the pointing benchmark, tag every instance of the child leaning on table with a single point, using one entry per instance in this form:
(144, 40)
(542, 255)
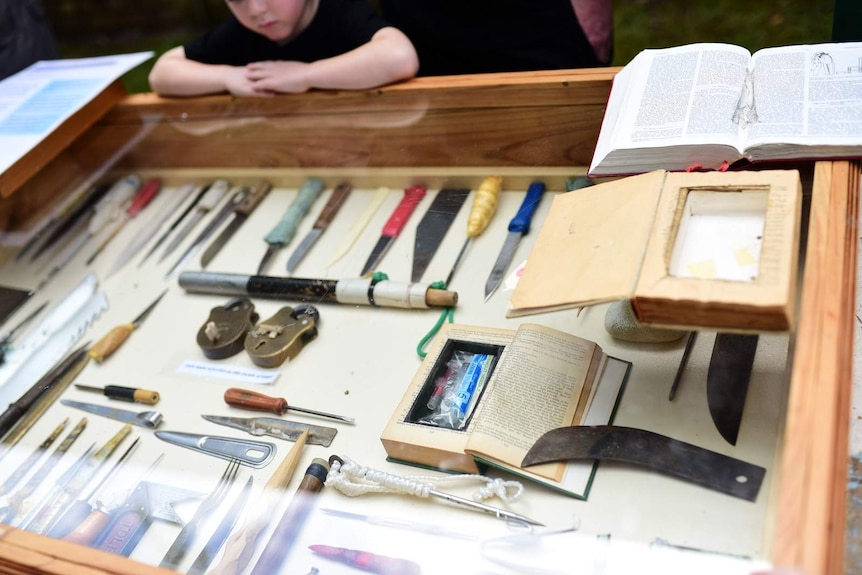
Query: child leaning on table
(271, 46)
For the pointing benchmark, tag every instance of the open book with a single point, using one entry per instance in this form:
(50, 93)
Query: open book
(706, 104)
(522, 384)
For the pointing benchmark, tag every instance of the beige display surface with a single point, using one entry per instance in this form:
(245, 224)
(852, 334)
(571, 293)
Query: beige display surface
(444, 130)
(362, 362)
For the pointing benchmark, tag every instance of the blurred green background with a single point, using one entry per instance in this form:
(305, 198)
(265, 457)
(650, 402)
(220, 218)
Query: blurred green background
(119, 26)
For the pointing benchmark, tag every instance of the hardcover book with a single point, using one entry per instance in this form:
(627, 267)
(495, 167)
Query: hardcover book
(483, 396)
(709, 105)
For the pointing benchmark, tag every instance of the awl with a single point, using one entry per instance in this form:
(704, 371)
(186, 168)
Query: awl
(333, 205)
(518, 227)
(396, 222)
(285, 229)
(246, 399)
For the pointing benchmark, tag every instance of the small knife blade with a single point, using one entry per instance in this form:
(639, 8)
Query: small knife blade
(206, 201)
(241, 212)
(278, 428)
(518, 227)
(214, 224)
(727, 381)
(393, 226)
(148, 419)
(433, 227)
(330, 210)
(285, 229)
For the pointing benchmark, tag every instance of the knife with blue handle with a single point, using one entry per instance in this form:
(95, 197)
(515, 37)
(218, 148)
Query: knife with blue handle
(518, 227)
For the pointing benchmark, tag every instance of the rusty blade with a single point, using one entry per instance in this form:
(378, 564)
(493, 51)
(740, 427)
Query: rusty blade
(657, 452)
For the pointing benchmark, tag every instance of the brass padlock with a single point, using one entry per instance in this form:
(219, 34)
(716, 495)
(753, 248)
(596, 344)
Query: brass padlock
(223, 334)
(282, 336)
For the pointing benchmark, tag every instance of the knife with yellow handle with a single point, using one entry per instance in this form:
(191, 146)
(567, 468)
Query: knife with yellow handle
(483, 208)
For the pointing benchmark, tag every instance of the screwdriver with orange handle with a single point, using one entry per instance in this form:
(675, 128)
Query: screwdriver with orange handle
(255, 401)
(111, 341)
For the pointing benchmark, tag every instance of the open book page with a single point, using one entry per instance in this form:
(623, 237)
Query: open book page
(682, 96)
(809, 94)
(536, 388)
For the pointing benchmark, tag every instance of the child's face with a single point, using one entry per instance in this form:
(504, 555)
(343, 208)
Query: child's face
(278, 20)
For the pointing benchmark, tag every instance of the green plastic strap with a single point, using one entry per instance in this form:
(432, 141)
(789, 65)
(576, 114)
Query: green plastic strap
(447, 314)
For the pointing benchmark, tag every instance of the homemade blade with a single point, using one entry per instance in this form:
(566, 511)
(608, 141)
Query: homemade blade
(142, 198)
(241, 212)
(396, 222)
(359, 224)
(657, 452)
(285, 229)
(433, 227)
(484, 205)
(211, 197)
(278, 428)
(214, 224)
(518, 227)
(149, 419)
(727, 381)
(333, 205)
(183, 191)
(112, 340)
(255, 454)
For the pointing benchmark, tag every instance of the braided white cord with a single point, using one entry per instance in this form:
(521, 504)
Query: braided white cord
(353, 479)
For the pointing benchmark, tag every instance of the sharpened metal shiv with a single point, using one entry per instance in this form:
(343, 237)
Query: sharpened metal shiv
(149, 419)
(657, 452)
(255, 454)
(278, 428)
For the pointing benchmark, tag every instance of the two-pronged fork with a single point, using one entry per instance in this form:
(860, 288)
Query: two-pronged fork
(186, 535)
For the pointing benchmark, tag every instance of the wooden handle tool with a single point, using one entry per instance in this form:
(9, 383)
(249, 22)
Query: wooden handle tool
(255, 401)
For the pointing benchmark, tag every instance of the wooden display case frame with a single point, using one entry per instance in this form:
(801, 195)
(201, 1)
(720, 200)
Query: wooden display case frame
(498, 121)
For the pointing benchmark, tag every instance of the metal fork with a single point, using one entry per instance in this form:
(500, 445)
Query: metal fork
(186, 535)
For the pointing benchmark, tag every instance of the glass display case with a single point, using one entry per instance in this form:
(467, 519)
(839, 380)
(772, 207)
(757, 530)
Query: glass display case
(346, 356)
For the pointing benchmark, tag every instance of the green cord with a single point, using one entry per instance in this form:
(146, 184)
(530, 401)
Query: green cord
(448, 313)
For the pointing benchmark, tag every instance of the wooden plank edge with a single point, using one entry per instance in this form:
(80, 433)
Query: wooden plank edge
(25, 552)
(33, 161)
(809, 525)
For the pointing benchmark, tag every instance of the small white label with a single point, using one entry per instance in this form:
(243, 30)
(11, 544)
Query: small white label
(230, 372)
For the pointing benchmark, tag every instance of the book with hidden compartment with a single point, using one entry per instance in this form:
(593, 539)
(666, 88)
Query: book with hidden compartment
(709, 105)
(483, 396)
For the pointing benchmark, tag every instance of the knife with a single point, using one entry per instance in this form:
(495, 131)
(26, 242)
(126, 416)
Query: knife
(278, 428)
(241, 212)
(396, 222)
(286, 228)
(214, 224)
(336, 200)
(433, 227)
(727, 381)
(206, 201)
(149, 419)
(518, 227)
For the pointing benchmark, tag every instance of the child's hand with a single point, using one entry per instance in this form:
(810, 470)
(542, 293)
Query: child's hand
(236, 82)
(277, 76)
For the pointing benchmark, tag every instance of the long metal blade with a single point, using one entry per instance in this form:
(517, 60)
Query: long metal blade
(380, 249)
(196, 217)
(433, 227)
(657, 452)
(278, 428)
(727, 381)
(149, 419)
(502, 263)
(302, 249)
(223, 238)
